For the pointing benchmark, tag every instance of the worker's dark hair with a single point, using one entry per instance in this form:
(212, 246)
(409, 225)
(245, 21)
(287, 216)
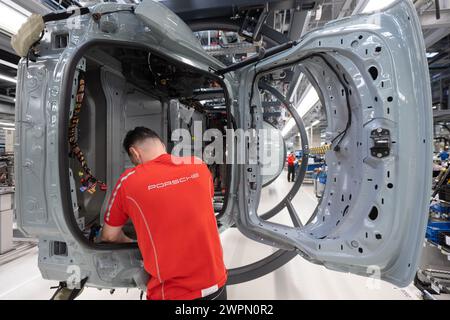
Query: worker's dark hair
(137, 135)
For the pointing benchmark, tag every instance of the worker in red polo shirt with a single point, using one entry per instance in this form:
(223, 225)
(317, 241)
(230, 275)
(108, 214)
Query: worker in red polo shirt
(291, 167)
(169, 201)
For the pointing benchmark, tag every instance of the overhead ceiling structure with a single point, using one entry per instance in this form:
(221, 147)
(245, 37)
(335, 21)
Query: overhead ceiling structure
(284, 20)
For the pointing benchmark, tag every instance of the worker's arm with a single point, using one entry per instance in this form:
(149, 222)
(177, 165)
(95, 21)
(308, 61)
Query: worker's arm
(116, 215)
(114, 234)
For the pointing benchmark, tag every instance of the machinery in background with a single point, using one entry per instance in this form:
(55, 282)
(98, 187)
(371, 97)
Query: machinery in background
(6, 193)
(316, 161)
(433, 276)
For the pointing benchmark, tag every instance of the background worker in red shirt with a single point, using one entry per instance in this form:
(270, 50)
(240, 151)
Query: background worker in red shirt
(291, 167)
(170, 205)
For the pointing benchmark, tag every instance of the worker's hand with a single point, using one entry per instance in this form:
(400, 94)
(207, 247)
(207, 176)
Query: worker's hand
(28, 34)
(114, 234)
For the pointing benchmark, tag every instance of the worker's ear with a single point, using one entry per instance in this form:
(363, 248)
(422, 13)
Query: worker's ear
(134, 155)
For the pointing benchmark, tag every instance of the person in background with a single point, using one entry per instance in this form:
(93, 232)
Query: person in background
(291, 167)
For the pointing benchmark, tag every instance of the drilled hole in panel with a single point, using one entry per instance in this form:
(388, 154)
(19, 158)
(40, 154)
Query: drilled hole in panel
(373, 72)
(345, 210)
(373, 215)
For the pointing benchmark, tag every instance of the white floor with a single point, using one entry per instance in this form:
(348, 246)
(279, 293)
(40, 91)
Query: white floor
(298, 279)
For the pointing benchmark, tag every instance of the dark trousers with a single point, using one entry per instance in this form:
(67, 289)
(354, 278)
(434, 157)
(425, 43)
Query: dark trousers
(291, 173)
(220, 294)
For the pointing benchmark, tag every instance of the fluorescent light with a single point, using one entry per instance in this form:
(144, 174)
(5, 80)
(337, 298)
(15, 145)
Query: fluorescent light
(7, 124)
(315, 123)
(9, 129)
(6, 78)
(431, 54)
(319, 12)
(8, 64)
(299, 79)
(308, 100)
(376, 5)
(13, 16)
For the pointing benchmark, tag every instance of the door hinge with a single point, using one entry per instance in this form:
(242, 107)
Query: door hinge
(381, 143)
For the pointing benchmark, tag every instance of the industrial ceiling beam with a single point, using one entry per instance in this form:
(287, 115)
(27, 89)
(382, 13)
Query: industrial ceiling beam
(435, 36)
(345, 8)
(7, 99)
(33, 6)
(6, 108)
(5, 43)
(299, 20)
(207, 9)
(428, 19)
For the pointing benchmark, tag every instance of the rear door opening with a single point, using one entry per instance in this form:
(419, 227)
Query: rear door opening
(116, 89)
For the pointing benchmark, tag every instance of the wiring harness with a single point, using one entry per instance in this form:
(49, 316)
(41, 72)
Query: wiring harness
(88, 181)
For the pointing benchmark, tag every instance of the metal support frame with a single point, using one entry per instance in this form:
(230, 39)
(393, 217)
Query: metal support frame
(428, 19)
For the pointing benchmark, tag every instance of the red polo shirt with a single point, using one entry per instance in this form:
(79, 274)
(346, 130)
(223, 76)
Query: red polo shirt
(170, 205)
(290, 160)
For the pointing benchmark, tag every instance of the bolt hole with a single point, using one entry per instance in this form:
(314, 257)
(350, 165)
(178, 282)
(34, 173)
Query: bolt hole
(389, 99)
(390, 185)
(373, 72)
(378, 236)
(360, 250)
(373, 215)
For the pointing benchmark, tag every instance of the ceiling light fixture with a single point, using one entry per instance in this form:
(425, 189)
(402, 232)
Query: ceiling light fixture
(13, 16)
(7, 78)
(308, 100)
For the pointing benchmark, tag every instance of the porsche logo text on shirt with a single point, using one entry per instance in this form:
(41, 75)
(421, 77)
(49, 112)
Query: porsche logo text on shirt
(173, 181)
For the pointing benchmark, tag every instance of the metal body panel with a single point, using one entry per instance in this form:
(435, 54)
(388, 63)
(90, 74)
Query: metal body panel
(42, 109)
(43, 197)
(346, 234)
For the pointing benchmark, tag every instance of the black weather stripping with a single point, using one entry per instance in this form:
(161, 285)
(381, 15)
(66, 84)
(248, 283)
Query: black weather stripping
(56, 16)
(262, 54)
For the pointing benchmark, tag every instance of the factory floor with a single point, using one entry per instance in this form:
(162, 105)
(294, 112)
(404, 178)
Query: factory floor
(298, 279)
